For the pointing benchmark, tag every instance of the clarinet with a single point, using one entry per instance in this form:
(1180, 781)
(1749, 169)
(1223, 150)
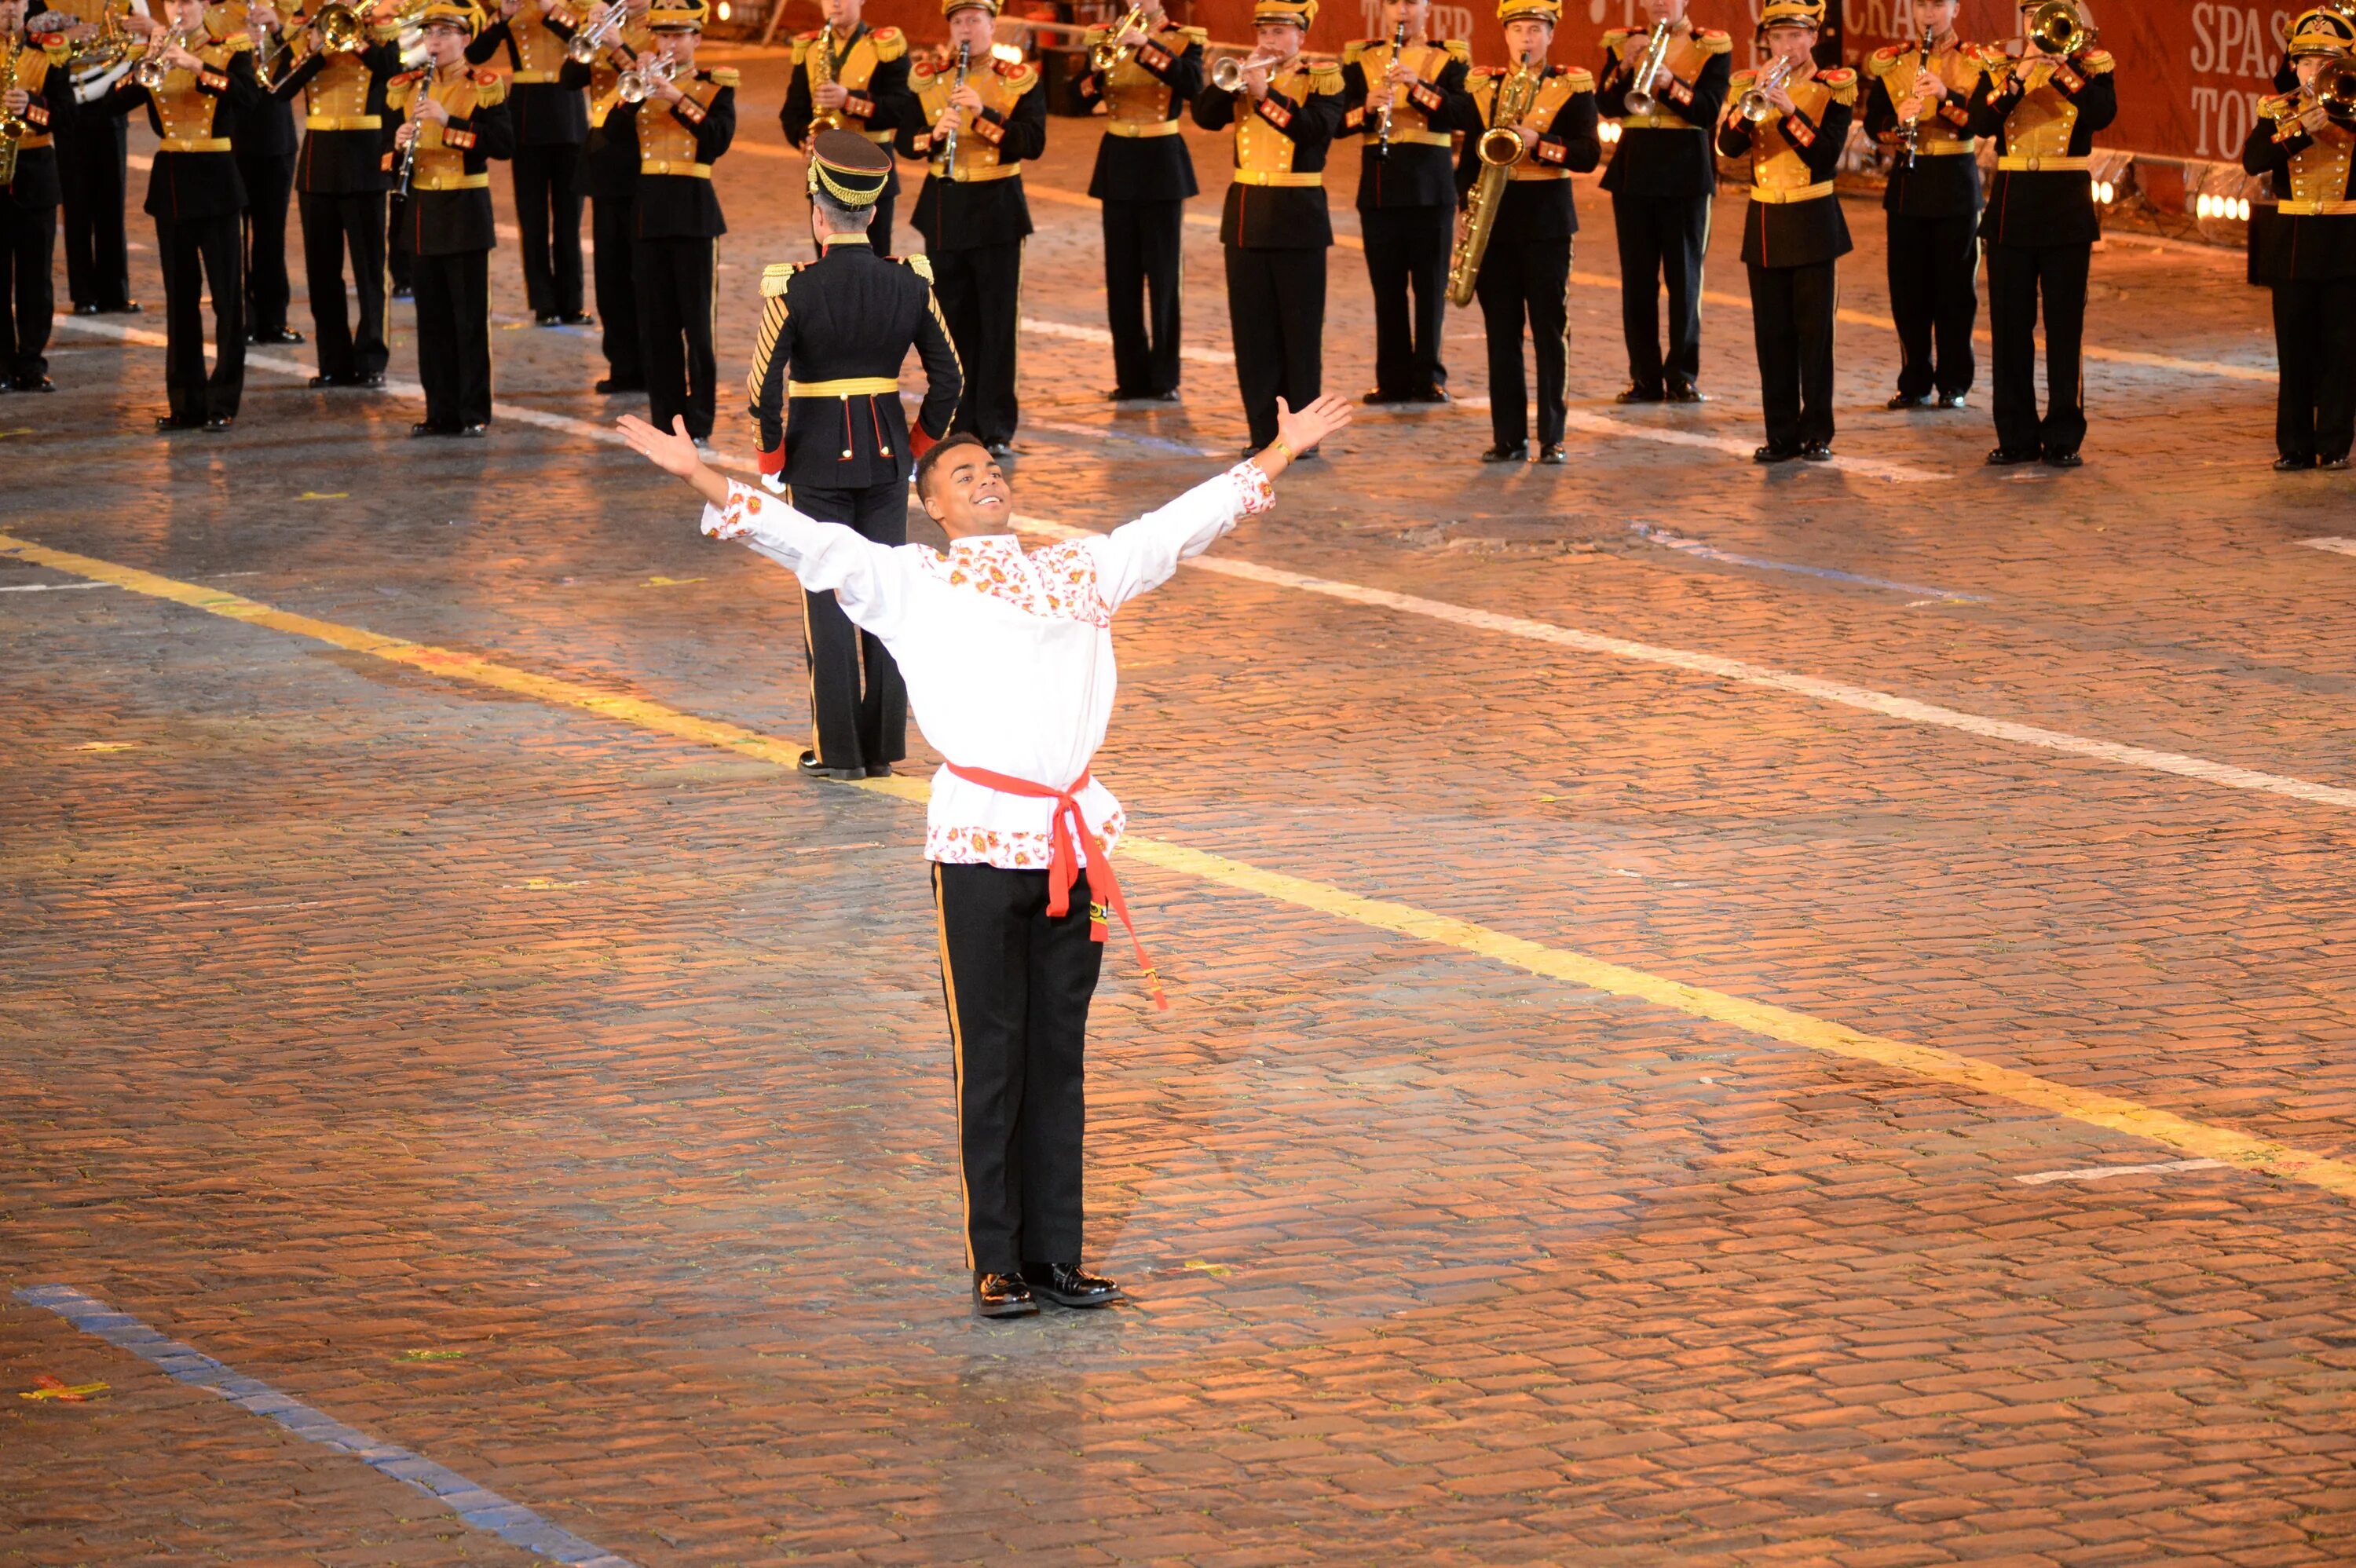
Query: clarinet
(408, 154)
(1383, 142)
(949, 143)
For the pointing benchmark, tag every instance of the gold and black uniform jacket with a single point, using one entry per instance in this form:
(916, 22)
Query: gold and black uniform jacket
(449, 208)
(678, 143)
(2308, 230)
(1420, 170)
(547, 114)
(49, 99)
(346, 123)
(608, 169)
(1276, 201)
(871, 68)
(195, 115)
(980, 202)
(1141, 156)
(2044, 117)
(1666, 153)
(1944, 179)
(1537, 203)
(266, 129)
(1793, 219)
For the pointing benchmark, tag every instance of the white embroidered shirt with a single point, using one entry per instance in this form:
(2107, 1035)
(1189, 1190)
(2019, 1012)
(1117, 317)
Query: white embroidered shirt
(1007, 653)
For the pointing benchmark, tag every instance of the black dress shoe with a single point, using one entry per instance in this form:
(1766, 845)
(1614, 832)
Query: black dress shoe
(879, 769)
(1069, 1284)
(85, 310)
(1168, 397)
(1552, 453)
(2006, 457)
(1774, 452)
(811, 769)
(1949, 399)
(1506, 454)
(1006, 448)
(1637, 395)
(1817, 452)
(322, 382)
(403, 292)
(547, 318)
(217, 423)
(2293, 465)
(427, 427)
(128, 307)
(367, 378)
(614, 386)
(1122, 395)
(474, 429)
(2068, 459)
(1909, 401)
(1431, 395)
(35, 384)
(1687, 395)
(580, 318)
(1378, 398)
(274, 335)
(1001, 1296)
(2339, 461)
(173, 421)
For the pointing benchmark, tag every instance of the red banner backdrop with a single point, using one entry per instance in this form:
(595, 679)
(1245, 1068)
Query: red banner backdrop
(2190, 71)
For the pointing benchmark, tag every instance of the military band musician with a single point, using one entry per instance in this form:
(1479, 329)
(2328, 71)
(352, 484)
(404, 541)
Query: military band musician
(35, 96)
(1918, 110)
(608, 176)
(847, 75)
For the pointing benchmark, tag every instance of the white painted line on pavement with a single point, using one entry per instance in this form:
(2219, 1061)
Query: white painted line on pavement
(51, 587)
(2104, 1172)
(2344, 547)
(483, 1508)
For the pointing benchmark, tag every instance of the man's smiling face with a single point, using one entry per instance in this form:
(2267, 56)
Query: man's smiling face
(966, 492)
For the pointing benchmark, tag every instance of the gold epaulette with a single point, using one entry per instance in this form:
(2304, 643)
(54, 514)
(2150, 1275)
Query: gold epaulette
(1579, 79)
(2096, 62)
(920, 265)
(1356, 47)
(1741, 77)
(890, 44)
(802, 42)
(775, 276)
(1325, 77)
(1841, 82)
(1710, 41)
(1199, 38)
(2276, 109)
(1990, 54)
(1614, 37)
(1021, 75)
(1878, 63)
(724, 76)
(490, 88)
(1458, 50)
(925, 69)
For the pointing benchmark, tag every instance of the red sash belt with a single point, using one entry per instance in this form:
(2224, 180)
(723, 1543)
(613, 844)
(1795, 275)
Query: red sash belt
(1064, 869)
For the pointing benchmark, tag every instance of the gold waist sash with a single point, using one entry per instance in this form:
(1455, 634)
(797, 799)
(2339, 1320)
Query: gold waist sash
(526, 76)
(848, 387)
(343, 123)
(1274, 177)
(1944, 149)
(1401, 136)
(979, 174)
(444, 182)
(194, 144)
(1779, 196)
(1524, 173)
(1657, 122)
(1140, 127)
(675, 167)
(2296, 208)
(2050, 166)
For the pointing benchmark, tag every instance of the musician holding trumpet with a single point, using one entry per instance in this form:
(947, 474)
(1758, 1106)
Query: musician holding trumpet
(1919, 110)
(1531, 124)
(1790, 119)
(2043, 106)
(1276, 228)
(2305, 249)
(551, 123)
(608, 44)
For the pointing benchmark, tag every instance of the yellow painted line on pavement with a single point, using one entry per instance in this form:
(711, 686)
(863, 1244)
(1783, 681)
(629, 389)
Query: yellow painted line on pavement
(1930, 1063)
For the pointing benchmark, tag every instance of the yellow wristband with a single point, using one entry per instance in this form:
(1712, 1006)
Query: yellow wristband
(1280, 445)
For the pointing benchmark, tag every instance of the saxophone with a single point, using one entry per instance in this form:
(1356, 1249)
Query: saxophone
(1499, 149)
(13, 127)
(821, 71)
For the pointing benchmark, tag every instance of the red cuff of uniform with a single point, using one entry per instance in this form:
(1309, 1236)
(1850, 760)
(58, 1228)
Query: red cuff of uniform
(1676, 89)
(1352, 118)
(688, 109)
(988, 128)
(1955, 114)
(1425, 99)
(217, 80)
(1089, 85)
(1553, 152)
(919, 443)
(1275, 113)
(1153, 58)
(774, 462)
(923, 142)
(1799, 131)
(454, 137)
(2065, 78)
(855, 103)
(36, 111)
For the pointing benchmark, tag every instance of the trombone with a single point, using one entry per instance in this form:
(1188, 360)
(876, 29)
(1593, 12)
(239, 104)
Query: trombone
(1640, 99)
(1107, 54)
(1228, 73)
(2056, 29)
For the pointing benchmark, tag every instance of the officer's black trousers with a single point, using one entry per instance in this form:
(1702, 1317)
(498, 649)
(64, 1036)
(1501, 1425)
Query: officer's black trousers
(1143, 252)
(92, 163)
(28, 297)
(269, 179)
(1791, 318)
(1407, 247)
(859, 705)
(613, 219)
(1529, 282)
(1275, 315)
(676, 280)
(1018, 984)
(200, 255)
(980, 294)
(879, 228)
(454, 336)
(2315, 342)
(1664, 240)
(548, 222)
(333, 226)
(2018, 275)
(1935, 296)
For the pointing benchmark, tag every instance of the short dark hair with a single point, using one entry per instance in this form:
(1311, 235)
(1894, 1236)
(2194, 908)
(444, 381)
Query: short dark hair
(938, 450)
(840, 215)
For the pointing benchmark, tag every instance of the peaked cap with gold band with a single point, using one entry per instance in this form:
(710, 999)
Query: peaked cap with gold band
(458, 14)
(2322, 31)
(950, 7)
(1792, 14)
(1546, 11)
(849, 167)
(1300, 13)
(677, 17)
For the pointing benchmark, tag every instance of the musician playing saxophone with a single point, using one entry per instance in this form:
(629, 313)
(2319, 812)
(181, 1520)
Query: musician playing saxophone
(1790, 119)
(852, 76)
(1525, 273)
(2304, 249)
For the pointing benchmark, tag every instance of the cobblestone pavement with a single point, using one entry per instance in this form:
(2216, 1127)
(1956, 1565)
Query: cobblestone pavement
(565, 1101)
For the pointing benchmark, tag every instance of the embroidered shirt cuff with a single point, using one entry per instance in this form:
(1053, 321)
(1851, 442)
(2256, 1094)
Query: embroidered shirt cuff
(1255, 492)
(748, 512)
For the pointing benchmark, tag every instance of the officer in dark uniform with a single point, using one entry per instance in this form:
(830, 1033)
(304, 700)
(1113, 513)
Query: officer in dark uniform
(1406, 190)
(1790, 120)
(1276, 227)
(340, 185)
(457, 122)
(195, 195)
(1525, 273)
(825, 393)
(607, 175)
(971, 210)
(684, 124)
(265, 163)
(847, 75)
(551, 122)
(2040, 227)
(92, 172)
(2304, 247)
(1918, 110)
(1661, 179)
(40, 94)
(1144, 77)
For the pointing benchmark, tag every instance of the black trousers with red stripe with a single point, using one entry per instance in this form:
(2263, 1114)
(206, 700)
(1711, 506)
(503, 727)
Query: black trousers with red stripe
(1018, 982)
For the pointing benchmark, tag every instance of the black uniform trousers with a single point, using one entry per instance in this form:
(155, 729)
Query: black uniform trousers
(269, 179)
(980, 294)
(334, 225)
(613, 224)
(859, 705)
(1935, 296)
(1409, 246)
(1143, 248)
(1275, 315)
(92, 167)
(454, 336)
(548, 220)
(28, 297)
(675, 278)
(879, 228)
(1018, 982)
(2315, 343)
(2018, 274)
(1528, 282)
(200, 254)
(1791, 318)
(397, 258)
(1665, 240)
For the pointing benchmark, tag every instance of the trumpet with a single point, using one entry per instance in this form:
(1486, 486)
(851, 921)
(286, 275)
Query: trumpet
(1648, 70)
(1228, 73)
(2056, 28)
(1107, 54)
(1754, 104)
(584, 44)
(637, 83)
(152, 70)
